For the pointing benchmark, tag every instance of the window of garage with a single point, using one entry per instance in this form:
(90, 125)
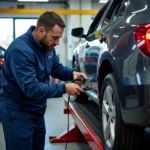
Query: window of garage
(11, 28)
(6, 34)
(22, 25)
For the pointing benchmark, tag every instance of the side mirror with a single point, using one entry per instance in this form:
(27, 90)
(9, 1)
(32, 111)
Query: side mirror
(78, 32)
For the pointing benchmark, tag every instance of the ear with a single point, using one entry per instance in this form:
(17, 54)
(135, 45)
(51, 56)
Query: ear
(41, 31)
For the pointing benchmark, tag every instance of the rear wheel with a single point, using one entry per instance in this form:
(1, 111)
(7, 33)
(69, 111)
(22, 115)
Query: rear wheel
(115, 134)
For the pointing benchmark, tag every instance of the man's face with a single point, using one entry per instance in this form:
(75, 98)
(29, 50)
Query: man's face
(51, 38)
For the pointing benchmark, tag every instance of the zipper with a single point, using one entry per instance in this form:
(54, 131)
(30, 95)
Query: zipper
(45, 66)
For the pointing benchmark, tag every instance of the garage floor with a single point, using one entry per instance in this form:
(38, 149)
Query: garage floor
(56, 123)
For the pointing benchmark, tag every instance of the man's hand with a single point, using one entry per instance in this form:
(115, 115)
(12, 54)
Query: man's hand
(78, 74)
(73, 89)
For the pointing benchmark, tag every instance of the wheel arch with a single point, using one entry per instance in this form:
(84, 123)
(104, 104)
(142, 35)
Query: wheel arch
(102, 72)
(105, 68)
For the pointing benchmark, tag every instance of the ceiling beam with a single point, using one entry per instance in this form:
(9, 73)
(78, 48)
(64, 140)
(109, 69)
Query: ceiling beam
(40, 11)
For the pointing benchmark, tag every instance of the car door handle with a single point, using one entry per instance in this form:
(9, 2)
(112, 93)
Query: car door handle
(103, 38)
(87, 46)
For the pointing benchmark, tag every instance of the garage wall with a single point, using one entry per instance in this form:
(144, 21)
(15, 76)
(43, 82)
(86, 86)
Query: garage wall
(32, 5)
(97, 6)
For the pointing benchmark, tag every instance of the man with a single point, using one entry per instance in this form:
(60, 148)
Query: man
(29, 61)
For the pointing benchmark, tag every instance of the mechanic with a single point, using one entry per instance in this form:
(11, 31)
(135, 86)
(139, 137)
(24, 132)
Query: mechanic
(30, 60)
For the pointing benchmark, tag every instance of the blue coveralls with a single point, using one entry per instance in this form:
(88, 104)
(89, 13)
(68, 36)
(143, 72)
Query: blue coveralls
(25, 89)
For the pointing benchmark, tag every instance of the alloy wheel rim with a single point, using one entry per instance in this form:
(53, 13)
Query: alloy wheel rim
(108, 116)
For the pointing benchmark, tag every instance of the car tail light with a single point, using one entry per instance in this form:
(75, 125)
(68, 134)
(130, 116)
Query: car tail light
(142, 38)
(1, 61)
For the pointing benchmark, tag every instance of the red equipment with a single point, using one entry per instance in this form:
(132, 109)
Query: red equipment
(86, 125)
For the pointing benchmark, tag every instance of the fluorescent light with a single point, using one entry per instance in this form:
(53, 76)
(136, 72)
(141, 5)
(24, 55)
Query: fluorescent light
(103, 1)
(33, 0)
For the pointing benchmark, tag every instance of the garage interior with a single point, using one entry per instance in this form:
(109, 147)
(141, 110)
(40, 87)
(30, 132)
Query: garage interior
(16, 16)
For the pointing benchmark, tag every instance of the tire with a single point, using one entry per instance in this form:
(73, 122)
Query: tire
(115, 134)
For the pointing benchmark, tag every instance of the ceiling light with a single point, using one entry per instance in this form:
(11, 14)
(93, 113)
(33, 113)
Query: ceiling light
(103, 1)
(33, 0)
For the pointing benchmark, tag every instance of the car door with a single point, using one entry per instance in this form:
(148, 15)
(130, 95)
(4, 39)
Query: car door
(109, 35)
(99, 41)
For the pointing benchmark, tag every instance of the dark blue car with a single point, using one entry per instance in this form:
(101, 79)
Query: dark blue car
(116, 58)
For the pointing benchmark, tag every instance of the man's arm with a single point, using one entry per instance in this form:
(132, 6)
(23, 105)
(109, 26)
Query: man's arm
(23, 69)
(61, 72)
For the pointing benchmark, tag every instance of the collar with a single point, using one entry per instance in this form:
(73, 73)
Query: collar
(32, 39)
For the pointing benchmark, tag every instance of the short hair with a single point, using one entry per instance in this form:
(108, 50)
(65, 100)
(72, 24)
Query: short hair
(48, 19)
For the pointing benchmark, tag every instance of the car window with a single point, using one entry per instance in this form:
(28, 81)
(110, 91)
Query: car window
(122, 9)
(96, 23)
(115, 12)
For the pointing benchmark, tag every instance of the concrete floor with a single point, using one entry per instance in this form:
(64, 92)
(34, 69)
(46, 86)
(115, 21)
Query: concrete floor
(56, 123)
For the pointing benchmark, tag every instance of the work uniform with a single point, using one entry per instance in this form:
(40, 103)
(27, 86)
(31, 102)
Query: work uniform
(25, 89)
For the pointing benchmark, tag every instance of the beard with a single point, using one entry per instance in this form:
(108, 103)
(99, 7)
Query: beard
(45, 44)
